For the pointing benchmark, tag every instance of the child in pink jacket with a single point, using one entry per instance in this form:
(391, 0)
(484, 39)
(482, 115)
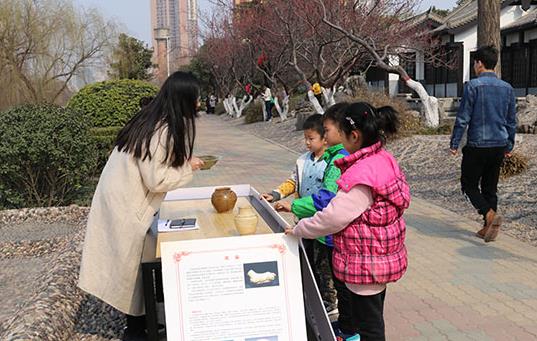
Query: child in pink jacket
(366, 219)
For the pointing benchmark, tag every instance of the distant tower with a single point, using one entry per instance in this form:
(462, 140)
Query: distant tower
(180, 17)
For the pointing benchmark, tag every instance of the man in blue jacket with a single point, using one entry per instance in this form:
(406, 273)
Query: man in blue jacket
(488, 111)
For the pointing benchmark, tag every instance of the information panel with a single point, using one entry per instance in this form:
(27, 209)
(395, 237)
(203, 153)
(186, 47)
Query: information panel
(245, 288)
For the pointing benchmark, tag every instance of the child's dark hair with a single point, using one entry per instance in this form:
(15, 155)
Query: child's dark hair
(314, 122)
(373, 123)
(332, 112)
(488, 55)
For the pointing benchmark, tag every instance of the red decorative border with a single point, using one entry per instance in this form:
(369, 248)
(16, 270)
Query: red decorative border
(281, 248)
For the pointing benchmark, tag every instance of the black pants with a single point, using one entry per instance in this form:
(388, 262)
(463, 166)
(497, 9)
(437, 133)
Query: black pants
(268, 107)
(310, 252)
(320, 258)
(360, 314)
(479, 176)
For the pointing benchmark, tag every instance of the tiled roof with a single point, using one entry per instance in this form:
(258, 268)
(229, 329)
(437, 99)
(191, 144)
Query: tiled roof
(463, 15)
(528, 19)
(427, 15)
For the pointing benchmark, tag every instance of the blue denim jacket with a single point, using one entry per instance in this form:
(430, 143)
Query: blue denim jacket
(488, 110)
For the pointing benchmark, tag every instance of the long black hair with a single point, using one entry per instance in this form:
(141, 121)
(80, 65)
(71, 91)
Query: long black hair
(373, 123)
(173, 107)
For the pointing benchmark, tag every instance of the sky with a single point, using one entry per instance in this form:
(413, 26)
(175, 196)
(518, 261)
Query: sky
(135, 16)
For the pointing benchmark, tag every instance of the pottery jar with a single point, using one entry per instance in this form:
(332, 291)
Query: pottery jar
(246, 221)
(223, 199)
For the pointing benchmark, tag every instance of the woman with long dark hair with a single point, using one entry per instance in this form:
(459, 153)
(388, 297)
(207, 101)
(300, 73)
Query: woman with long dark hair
(153, 155)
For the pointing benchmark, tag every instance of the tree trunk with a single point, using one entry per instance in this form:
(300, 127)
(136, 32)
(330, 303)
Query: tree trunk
(488, 27)
(316, 105)
(246, 100)
(228, 105)
(264, 107)
(430, 103)
(329, 96)
(283, 110)
(234, 106)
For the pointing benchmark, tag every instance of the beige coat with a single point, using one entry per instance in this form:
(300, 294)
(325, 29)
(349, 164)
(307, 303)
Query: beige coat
(129, 193)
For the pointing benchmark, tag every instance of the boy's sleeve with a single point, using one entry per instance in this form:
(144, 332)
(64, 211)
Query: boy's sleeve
(286, 188)
(308, 206)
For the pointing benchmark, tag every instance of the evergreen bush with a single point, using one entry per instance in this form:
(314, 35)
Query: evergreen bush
(47, 156)
(112, 103)
(104, 141)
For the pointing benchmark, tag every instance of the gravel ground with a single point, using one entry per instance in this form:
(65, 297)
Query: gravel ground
(39, 259)
(434, 174)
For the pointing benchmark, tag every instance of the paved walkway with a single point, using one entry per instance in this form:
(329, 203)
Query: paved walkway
(457, 287)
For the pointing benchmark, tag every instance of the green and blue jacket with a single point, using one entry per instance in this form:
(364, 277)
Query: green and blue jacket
(306, 207)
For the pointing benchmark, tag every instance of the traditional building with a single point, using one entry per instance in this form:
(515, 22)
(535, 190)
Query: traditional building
(458, 34)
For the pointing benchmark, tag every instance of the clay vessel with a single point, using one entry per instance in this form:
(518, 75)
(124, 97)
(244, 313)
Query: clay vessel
(208, 161)
(223, 199)
(246, 221)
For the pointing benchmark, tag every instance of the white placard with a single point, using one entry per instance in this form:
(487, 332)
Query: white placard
(246, 288)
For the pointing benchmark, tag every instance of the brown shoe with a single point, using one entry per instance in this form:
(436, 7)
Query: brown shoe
(481, 233)
(492, 232)
(489, 218)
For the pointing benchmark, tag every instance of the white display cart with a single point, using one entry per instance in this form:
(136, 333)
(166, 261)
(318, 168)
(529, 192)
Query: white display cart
(195, 202)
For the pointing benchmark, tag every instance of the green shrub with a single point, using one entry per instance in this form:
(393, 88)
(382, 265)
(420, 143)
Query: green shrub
(112, 103)
(104, 141)
(47, 156)
(253, 113)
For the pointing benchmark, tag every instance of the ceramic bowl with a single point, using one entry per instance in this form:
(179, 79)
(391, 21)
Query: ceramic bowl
(209, 160)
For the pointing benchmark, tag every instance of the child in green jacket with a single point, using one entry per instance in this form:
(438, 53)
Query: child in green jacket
(307, 206)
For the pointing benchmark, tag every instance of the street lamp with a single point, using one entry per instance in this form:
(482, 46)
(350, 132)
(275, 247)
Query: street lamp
(163, 33)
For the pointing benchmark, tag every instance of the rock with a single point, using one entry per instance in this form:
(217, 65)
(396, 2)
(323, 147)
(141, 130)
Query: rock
(531, 100)
(527, 114)
(301, 117)
(414, 113)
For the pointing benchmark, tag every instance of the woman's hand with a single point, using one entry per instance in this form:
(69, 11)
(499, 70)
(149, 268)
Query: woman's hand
(283, 206)
(196, 163)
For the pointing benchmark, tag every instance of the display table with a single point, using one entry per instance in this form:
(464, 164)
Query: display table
(195, 202)
(212, 224)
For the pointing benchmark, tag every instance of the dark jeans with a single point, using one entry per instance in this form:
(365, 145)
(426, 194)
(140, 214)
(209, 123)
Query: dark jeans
(310, 252)
(268, 107)
(360, 314)
(480, 173)
(320, 258)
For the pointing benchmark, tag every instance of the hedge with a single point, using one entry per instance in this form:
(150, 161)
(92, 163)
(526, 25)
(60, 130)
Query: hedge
(112, 103)
(47, 156)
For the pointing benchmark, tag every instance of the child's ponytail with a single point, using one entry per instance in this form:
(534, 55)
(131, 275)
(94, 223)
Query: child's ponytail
(387, 120)
(375, 124)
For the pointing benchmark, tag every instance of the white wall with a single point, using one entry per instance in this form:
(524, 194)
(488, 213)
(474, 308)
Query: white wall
(420, 66)
(469, 40)
(393, 78)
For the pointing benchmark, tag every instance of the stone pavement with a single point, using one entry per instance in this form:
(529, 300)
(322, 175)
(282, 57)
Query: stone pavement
(457, 287)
